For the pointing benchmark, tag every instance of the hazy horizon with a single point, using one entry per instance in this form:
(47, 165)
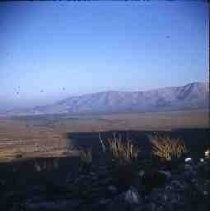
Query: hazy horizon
(55, 100)
(84, 47)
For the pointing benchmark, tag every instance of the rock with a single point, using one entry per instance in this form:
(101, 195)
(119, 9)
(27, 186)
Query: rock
(141, 173)
(112, 189)
(201, 160)
(153, 179)
(41, 205)
(205, 192)
(188, 167)
(132, 196)
(168, 188)
(104, 201)
(151, 206)
(2, 182)
(160, 208)
(102, 204)
(188, 160)
(207, 153)
(93, 176)
(104, 182)
(127, 200)
(167, 173)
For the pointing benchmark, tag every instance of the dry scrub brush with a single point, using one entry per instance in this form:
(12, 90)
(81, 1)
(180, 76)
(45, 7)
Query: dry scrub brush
(41, 165)
(122, 152)
(85, 160)
(86, 155)
(167, 148)
(123, 155)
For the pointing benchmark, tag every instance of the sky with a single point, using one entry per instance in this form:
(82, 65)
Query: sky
(51, 50)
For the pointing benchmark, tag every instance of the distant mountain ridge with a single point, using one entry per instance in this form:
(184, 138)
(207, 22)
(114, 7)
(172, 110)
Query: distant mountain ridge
(191, 96)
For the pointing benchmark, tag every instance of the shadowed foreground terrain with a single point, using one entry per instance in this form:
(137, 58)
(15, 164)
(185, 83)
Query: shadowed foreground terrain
(41, 167)
(62, 183)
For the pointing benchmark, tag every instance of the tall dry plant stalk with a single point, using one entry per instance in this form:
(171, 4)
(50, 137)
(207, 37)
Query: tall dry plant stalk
(86, 156)
(167, 148)
(122, 152)
(85, 160)
(46, 164)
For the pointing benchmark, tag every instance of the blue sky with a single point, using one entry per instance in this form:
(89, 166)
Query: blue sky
(87, 47)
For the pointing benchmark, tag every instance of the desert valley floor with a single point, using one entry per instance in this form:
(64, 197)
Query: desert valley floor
(49, 135)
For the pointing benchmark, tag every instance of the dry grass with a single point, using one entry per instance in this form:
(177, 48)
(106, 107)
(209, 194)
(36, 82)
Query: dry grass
(43, 136)
(85, 160)
(86, 156)
(123, 152)
(46, 164)
(167, 148)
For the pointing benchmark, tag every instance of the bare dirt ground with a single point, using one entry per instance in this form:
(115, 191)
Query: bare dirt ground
(46, 135)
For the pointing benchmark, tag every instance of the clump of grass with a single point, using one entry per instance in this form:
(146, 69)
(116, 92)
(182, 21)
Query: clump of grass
(55, 163)
(85, 159)
(37, 166)
(167, 148)
(42, 165)
(122, 152)
(122, 157)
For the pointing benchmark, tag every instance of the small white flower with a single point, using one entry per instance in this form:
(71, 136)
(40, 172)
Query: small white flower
(188, 160)
(205, 192)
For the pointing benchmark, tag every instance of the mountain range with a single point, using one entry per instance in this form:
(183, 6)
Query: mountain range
(191, 96)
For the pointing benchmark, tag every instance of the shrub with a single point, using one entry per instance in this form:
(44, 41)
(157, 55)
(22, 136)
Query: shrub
(153, 179)
(122, 152)
(167, 148)
(46, 164)
(122, 157)
(85, 159)
(40, 165)
(55, 163)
